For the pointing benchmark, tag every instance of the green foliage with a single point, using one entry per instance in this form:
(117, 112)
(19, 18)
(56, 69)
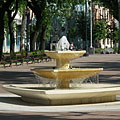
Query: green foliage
(12, 54)
(42, 52)
(58, 8)
(81, 25)
(99, 30)
(115, 49)
(98, 50)
(38, 52)
(73, 32)
(81, 22)
(23, 53)
(22, 6)
(49, 28)
(115, 33)
(6, 22)
(112, 32)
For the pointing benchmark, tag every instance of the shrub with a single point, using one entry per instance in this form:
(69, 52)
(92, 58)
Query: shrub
(98, 50)
(115, 49)
(23, 53)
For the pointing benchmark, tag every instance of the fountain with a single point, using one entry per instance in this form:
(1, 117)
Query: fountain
(62, 93)
(63, 74)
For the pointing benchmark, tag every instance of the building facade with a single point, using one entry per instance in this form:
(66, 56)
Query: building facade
(99, 13)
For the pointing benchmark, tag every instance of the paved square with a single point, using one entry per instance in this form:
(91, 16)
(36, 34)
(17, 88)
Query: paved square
(12, 108)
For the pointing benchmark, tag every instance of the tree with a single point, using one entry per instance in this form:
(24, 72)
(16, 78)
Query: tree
(113, 33)
(12, 11)
(4, 5)
(81, 24)
(115, 36)
(38, 8)
(113, 5)
(22, 10)
(45, 11)
(99, 32)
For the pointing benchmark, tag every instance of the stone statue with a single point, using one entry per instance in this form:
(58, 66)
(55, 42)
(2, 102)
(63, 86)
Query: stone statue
(63, 44)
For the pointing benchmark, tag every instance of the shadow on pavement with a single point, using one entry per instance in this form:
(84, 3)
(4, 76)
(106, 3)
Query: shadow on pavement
(107, 66)
(59, 116)
(15, 101)
(9, 77)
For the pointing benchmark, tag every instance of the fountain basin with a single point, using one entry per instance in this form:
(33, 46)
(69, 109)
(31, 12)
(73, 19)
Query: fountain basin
(63, 76)
(87, 93)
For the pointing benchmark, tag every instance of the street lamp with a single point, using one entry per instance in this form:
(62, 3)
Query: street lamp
(90, 23)
(86, 32)
(91, 50)
(119, 26)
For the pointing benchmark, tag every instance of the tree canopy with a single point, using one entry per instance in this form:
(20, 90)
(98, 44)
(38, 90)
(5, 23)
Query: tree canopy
(45, 11)
(99, 31)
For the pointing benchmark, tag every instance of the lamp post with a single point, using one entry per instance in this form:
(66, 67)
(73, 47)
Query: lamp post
(91, 50)
(86, 32)
(119, 26)
(91, 24)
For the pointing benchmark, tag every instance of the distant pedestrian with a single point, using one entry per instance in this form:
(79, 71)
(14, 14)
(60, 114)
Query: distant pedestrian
(71, 46)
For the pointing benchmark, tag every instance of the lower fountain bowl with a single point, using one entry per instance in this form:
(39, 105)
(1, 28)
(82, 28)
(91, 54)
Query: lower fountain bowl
(87, 93)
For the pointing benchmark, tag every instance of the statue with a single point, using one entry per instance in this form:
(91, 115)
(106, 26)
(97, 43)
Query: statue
(63, 43)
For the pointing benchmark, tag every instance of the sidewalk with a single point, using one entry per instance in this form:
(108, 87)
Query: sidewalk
(12, 108)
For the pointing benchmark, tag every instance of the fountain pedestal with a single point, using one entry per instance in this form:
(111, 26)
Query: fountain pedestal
(62, 84)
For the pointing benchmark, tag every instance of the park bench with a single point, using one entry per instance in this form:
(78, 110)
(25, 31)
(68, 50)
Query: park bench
(3, 62)
(23, 58)
(107, 51)
(36, 58)
(19, 59)
(8, 60)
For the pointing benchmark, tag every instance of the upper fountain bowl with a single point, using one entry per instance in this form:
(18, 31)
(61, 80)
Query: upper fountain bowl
(63, 57)
(65, 54)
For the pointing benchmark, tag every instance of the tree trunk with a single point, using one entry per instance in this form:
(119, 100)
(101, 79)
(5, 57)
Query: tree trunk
(22, 35)
(12, 42)
(1, 32)
(115, 43)
(42, 38)
(35, 34)
(39, 13)
(11, 17)
(4, 7)
(33, 41)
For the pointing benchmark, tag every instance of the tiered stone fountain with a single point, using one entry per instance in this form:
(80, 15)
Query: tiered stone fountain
(63, 94)
(63, 74)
